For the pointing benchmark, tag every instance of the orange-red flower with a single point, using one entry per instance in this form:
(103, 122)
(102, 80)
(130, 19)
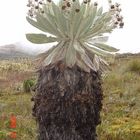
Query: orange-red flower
(12, 121)
(13, 135)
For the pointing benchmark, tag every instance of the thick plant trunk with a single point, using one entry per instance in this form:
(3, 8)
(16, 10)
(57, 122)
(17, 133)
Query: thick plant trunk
(67, 103)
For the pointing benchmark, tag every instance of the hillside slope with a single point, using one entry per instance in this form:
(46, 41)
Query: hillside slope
(13, 51)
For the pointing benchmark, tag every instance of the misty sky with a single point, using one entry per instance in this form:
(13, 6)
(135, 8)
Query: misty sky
(13, 24)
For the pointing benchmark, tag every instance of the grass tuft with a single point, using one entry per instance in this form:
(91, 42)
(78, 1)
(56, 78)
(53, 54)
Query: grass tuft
(134, 66)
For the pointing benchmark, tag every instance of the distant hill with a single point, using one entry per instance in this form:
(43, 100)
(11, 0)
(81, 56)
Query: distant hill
(13, 51)
(22, 49)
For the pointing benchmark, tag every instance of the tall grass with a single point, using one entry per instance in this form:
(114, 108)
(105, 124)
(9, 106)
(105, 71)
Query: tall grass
(134, 66)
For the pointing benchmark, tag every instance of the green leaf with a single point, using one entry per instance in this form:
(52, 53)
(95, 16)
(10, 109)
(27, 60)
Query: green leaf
(78, 48)
(60, 53)
(42, 21)
(82, 65)
(51, 58)
(101, 18)
(99, 39)
(52, 19)
(60, 19)
(80, 27)
(37, 25)
(96, 62)
(103, 65)
(40, 38)
(99, 26)
(89, 21)
(100, 11)
(41, 57)
(70, 55)
(76, 20)
(107, 29)
(97, 51)
(106, 47)
(95, 30)
(85, 60)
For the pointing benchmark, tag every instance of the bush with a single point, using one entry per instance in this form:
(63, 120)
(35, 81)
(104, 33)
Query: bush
(28, 84)
(134, 66)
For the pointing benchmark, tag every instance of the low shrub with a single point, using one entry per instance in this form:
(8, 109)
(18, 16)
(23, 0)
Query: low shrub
(28, 84)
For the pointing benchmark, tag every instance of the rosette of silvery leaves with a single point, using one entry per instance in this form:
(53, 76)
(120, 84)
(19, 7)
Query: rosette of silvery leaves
(79, 28)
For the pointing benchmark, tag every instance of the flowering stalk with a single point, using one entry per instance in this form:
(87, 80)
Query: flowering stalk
(37, 6)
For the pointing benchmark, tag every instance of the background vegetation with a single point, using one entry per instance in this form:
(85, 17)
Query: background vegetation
(121, 105)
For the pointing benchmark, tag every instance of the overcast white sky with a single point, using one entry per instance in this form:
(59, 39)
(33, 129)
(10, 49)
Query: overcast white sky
(13, 24)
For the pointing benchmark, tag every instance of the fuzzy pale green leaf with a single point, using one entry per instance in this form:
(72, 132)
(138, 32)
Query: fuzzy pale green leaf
(77, 19)
(97, 51)
(106, 47)
(40, 38)
(70, 55)
(60, 19)
(37, 25)
(50, 59)
(52, 19)
(89, 21)
(47, 25)
(100, 11)
(82, 65)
